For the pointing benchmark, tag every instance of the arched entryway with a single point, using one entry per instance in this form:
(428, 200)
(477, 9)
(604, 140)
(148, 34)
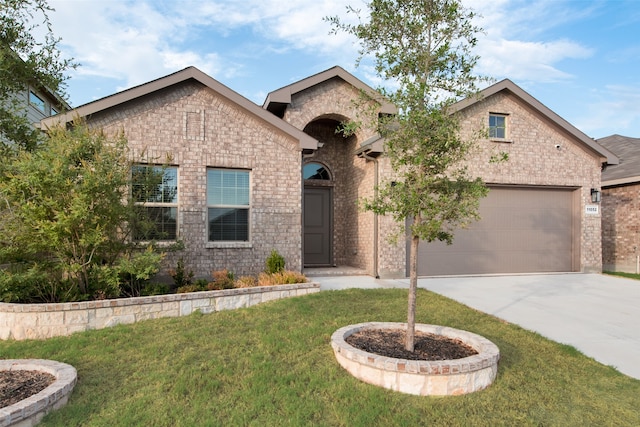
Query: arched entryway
(318, 215)
(330, 200)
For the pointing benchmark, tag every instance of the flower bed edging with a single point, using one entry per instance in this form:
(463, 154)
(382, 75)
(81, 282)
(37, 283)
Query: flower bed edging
(41, 321)
(29, 412)
(420, 377)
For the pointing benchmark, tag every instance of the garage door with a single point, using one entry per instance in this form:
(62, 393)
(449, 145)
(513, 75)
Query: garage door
(522, 230)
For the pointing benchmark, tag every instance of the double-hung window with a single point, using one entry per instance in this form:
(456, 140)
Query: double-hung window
(497, 126)
(228, 205)
(155, 189)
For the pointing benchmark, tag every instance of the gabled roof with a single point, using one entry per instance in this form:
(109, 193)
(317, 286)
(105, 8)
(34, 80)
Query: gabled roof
(508, 86)
(189, 73)
(277, 100)
(628, 149)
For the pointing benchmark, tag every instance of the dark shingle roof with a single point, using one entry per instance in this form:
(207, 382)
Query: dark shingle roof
(628, 151)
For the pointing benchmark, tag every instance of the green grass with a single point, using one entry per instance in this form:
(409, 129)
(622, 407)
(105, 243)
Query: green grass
(272, 365)
(622, 274)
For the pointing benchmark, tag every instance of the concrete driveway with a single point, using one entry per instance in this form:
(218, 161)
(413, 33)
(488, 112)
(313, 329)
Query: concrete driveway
(597, 314)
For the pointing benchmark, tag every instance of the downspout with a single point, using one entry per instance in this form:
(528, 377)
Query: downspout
(375, 215)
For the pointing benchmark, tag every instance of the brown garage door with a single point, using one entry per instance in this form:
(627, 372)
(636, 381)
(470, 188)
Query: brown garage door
(522, 230)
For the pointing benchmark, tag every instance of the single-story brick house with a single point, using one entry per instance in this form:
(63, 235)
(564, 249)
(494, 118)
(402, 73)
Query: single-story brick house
(246, 179)
(621, 206)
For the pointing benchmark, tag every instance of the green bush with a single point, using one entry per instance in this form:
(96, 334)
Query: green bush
(151, 289)
(275, 262)
(181, 277)
(135, 271)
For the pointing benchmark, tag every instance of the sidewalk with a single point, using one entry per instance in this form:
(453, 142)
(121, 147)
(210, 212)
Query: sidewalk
(597, 314)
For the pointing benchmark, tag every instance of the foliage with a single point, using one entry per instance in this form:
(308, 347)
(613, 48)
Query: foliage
(65, 211)
(152, 288)
(283, 277)
(26, 61)
(135, 270)
(424, 47)
(275, 262)
(181, 277)
(245, 282)
(222, 279)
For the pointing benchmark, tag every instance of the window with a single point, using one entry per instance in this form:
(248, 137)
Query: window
(36, 101)
(315, 171)
(228, 205)
(497, 126)
(155, 189)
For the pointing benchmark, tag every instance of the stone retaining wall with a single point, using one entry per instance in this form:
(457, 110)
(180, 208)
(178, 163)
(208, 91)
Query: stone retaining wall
(41, 321)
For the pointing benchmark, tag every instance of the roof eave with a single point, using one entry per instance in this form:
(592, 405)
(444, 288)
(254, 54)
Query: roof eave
(606, 156)
(193, 73)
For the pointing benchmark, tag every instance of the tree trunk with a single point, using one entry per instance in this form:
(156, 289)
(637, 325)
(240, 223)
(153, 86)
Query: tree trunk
(413, 286)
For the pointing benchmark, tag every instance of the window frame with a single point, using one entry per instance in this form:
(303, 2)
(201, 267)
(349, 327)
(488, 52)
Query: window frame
(505, 127)
(247, 207)
(172, 205)
(37, 101)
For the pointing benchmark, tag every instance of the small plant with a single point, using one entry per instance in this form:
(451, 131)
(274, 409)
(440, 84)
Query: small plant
(181, 277)
(155, 289)
(246, 282)
(188, 288)
(275, 262)
(222, 279)
(284, 277)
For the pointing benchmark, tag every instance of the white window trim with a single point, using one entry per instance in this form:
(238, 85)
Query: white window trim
(506, 127)
(230, 243)
(176, 205)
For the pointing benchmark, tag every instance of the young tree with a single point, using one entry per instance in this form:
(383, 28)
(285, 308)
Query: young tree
(423, 47)
(26, 60)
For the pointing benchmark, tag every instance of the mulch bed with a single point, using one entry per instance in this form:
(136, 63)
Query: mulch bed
(391, 343)
(18, 385)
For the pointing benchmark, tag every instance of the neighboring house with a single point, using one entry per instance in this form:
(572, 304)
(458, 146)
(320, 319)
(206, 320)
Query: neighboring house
(621, 206)
(243, 180)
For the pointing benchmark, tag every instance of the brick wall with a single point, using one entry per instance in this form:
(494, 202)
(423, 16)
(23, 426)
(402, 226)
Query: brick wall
(318, 111)
(194, 128)
(621, 228)
(533, 160)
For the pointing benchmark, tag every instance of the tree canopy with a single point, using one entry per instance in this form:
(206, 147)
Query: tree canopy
(29, 56)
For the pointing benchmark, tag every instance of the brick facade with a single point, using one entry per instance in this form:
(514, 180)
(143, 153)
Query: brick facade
(621, 228)
(190, 126)
(193, 127)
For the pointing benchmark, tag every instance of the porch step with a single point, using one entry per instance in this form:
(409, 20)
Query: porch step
(334, 271)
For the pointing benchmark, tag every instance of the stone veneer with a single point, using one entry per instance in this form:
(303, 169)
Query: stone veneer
(420, 377)
(621, 228)
(41, 321)
(30, 411)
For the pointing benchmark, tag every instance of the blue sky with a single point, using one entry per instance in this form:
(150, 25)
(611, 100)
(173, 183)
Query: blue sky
(580, 58)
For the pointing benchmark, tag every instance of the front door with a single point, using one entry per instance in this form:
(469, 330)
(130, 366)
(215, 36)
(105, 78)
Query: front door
(317, 226)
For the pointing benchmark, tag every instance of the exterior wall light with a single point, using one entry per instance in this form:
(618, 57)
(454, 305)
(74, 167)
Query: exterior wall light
(595, 195)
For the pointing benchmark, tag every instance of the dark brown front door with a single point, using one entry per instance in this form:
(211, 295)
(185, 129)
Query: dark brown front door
(317, 226)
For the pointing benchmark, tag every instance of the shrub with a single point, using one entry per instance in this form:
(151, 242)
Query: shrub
(188, 288)
(246, 282)
(136, 270)
(284, 277)
(222, 279)
(181, 277)
(151, 289)
(275, 262)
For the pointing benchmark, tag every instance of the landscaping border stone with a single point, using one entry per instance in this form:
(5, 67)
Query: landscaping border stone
(41, 321)
(420, 377)
(29, 412)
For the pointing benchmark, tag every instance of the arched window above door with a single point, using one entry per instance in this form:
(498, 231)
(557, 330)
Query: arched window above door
(315, 171)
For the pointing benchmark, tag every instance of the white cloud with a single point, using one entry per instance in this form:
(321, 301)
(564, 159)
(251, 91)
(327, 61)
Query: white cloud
(614, 109)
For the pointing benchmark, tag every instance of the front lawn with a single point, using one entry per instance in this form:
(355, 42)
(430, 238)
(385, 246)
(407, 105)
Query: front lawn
(272, 365)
